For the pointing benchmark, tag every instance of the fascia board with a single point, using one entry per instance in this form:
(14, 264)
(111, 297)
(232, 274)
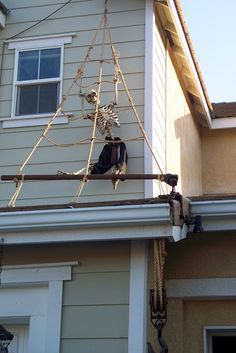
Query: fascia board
(217, 215)
(91, 217)
(181, 35)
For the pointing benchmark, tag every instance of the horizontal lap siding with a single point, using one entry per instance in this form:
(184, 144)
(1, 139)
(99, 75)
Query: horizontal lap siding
(82, 18)
(95, 301)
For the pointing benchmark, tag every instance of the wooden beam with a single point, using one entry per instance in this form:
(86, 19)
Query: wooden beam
(193, 91)
(187, 73)
(161, 2)
(170, 28)
(170, 179)
(179, 51)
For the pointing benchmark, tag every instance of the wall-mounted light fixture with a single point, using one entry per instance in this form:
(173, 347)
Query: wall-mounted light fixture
(5, 339)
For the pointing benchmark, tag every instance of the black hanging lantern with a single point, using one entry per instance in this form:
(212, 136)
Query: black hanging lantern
(5, 339)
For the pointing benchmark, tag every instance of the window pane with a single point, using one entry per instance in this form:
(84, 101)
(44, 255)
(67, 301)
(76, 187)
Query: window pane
(28, 65)
(50, 63)
(27, 98)
(48, 98)
(224, 344)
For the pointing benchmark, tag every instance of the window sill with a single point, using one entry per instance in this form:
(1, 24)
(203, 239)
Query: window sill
(32, 121)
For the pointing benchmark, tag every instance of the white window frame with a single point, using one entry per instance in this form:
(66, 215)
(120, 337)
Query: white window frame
(27, 83)
(210, 331)
(38, 43)
(32, 295)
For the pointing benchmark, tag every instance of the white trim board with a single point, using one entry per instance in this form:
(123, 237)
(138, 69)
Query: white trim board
(149, 95)
(138, 297)
(208, 331)
(41, 41)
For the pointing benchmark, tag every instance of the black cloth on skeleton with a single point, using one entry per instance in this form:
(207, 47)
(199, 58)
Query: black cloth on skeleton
(113, 154)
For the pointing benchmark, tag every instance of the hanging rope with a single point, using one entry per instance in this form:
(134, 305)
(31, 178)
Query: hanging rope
(159, 261)
(158, 299)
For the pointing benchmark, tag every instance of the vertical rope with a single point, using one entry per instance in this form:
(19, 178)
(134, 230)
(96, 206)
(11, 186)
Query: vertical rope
(93, 137)
(159, 261)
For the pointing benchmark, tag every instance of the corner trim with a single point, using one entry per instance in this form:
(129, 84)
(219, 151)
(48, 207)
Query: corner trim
(148, 98)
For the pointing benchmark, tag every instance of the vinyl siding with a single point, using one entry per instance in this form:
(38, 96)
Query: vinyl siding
(159, 106)
(95, 302)
(159, 126)
(127, 20)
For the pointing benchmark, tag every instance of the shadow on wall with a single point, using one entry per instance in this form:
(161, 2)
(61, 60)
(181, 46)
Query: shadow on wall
(187, 151)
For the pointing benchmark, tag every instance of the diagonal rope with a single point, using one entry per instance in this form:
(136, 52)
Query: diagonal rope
(78, 75)
(122, 78)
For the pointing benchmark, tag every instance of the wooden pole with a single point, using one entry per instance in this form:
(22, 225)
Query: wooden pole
(170, 179)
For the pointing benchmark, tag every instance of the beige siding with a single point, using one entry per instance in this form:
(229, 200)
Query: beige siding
(127, 20)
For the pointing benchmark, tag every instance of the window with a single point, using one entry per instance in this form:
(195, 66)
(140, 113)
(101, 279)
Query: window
(37, 83)
(220, 340)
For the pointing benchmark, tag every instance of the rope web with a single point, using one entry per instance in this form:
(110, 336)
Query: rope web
(78, 82)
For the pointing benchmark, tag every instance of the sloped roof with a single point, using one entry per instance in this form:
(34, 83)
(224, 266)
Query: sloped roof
(224, 109)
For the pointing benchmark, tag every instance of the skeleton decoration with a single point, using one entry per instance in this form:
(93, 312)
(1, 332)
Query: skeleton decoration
(92, 97)
(106, 117)
(114, 157)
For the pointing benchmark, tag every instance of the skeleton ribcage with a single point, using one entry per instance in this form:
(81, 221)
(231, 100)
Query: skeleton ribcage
(106, 118)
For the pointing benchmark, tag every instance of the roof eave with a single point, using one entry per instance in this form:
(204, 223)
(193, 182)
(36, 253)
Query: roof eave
(90, 224)
(189, 69)
(217, 215)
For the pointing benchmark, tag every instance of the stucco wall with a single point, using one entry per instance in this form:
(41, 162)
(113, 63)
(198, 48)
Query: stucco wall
(218, 158)
(183, 138)
(199, 256)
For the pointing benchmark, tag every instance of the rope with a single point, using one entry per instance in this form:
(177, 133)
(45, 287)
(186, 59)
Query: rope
(118, 78)
(159, 261)
(96, 140)
(93, 137)
(19, 185)
(79, 74)
(131, 102)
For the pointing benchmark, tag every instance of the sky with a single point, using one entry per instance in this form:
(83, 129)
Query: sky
(212, 28)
